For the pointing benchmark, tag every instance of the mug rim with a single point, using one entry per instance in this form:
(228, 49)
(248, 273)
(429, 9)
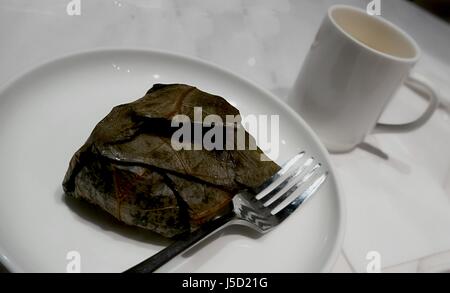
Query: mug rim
(382, 20)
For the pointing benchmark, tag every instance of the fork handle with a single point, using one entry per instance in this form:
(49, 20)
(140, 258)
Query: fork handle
(154, 262)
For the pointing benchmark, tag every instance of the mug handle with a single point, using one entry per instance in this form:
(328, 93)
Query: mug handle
(421, 86)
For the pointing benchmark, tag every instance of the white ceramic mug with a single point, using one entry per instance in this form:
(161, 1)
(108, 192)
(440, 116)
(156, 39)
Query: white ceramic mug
(355, 65)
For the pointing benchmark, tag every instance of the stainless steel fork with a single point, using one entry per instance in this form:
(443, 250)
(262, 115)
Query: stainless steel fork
(275, 200)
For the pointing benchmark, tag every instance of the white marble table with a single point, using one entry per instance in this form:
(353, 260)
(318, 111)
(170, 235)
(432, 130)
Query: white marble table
(266, 42)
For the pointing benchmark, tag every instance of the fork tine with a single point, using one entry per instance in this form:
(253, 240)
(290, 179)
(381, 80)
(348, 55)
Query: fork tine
(285, 184)
(305, 195)
(270, 183)
(292, 189)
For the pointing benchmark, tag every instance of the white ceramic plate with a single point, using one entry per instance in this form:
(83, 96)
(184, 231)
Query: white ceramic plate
(47, 114)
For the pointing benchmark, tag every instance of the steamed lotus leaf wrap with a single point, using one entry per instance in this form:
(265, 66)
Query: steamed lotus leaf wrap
(129, 168)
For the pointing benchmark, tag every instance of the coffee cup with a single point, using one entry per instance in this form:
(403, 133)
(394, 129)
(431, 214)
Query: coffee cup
(353, 69)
